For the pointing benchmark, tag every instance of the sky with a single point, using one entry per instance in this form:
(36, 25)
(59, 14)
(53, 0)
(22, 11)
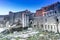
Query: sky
(21, 5)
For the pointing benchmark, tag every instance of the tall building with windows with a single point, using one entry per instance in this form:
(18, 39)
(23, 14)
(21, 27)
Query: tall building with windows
(23, 16)
(48, 17)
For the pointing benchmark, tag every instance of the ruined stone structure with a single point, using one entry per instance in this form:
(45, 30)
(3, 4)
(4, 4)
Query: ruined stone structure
(48, 18)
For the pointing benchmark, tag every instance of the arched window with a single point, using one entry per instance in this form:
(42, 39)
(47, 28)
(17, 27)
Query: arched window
(51, 26)
(41, 25)
(48, 26)
(45, 20)
(34, 25)
(54, 26)
(45, 26)
(57, 20)
(55, 12)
